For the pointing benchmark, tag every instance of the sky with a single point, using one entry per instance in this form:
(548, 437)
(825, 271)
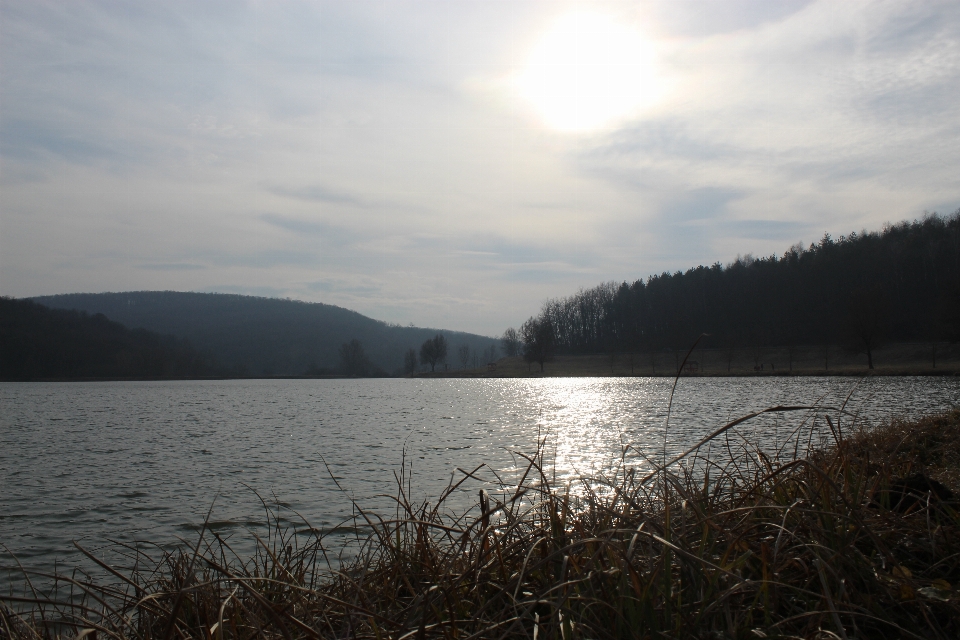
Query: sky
(454, 164)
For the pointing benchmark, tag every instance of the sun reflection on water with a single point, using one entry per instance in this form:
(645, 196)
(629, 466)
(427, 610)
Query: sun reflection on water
(184, 445)
(605, 426)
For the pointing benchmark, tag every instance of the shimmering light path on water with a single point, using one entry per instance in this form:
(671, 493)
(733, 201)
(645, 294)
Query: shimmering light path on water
(145, 460)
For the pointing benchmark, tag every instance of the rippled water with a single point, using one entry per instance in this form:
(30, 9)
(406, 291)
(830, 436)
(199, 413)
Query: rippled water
(146, 460)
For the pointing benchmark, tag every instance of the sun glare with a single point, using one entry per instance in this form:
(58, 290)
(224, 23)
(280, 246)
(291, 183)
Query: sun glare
(588, 72)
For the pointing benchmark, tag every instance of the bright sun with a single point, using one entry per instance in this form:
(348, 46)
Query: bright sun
(587, 72)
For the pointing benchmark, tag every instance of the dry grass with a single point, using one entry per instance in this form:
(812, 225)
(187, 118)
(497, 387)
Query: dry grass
(746, 545)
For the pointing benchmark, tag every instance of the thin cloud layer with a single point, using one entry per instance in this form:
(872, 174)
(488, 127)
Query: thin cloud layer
(376, 155)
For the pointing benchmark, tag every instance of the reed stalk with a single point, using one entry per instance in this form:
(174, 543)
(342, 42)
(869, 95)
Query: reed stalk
(841, 541)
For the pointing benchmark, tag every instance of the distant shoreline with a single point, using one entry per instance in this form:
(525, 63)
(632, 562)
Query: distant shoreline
(934, 373)
(186, 379)
(902, 359)
(478, 374)
(929, 373)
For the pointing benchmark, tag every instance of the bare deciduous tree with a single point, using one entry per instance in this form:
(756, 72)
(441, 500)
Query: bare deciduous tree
(353, 359)
(538, 340)
(434, 351)
(410, 361)
(511, 342)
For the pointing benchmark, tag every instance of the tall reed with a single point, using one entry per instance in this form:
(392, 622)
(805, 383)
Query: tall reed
(843, 541)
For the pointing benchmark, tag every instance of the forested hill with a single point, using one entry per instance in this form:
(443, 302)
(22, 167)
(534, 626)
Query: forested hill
(263, 336)
(900, 284)
(37, 342)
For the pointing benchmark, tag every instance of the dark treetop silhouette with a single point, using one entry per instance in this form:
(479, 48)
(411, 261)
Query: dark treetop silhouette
(901, 284)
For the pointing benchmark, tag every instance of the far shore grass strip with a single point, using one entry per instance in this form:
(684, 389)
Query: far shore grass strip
(858, 538)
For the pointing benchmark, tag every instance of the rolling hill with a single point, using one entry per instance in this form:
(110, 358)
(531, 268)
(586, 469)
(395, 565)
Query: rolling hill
(263, 336)
(37, 342)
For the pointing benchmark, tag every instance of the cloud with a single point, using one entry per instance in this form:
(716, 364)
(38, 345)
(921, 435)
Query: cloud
(703, 19)
(364, 153)
(267, 259)
(343, 285)
(26, 140)
(824, 100)
(315, 193)
(780, 230)
(313, 227)
(171, 266)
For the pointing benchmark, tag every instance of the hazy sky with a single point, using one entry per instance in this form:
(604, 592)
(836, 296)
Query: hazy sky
(453, 164)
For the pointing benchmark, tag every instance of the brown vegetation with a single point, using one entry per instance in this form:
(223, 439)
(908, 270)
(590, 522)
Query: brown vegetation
(832, 543)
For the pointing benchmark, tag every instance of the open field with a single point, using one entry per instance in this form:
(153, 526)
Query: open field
(894, 359)
(857, 539)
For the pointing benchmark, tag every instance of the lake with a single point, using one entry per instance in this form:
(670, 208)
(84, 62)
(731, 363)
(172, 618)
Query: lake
(98, 461)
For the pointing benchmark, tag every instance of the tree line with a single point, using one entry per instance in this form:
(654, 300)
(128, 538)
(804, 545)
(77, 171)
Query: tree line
(901, 284)
(37, 342)
(354, 361)
(433, 352)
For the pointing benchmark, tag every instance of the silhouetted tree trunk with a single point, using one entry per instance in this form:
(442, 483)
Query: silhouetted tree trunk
(867, 320)
(410, 361)
(730, 355)
(538, 340)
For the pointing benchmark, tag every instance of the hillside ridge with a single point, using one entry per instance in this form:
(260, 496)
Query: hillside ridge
(253, 335)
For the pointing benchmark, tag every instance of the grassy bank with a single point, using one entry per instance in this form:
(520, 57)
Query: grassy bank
(852, 540)
(891, 359)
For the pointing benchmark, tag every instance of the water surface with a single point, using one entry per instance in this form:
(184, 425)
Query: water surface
(146, 460)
